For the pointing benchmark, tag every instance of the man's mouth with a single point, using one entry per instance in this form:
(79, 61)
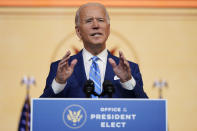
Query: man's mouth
(96, 34)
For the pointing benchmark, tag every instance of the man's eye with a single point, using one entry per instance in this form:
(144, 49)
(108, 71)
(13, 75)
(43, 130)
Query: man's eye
(101, 20)
(88, 21)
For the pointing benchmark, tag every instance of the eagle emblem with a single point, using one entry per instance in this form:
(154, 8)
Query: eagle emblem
(74, 116)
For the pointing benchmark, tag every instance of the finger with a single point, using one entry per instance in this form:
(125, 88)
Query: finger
(126, 65)
(122, 55)
(124, 61)
(112, 62)
(59, 68)
(67, 54)
(121, 58)
(63, 65)
(64, 60)
(73, 63)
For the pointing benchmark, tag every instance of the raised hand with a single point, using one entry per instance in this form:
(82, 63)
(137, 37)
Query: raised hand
(122, 70)
(65, 70)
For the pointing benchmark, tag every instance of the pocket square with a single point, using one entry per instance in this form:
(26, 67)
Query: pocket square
(116, 77)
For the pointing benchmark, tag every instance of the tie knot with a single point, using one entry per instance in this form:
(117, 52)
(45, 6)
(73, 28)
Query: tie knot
(94, 58)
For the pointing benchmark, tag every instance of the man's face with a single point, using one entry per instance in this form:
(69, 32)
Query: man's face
(94, 28)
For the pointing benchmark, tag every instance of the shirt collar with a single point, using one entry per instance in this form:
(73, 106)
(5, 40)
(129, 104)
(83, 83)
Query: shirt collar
(102, 56)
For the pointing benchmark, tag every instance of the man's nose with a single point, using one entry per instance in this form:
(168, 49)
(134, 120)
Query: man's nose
(95, 24)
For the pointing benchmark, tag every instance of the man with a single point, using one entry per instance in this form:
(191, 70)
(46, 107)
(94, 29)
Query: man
(67, 76)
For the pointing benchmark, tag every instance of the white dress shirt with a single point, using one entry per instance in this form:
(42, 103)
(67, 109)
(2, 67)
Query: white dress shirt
(102, 62)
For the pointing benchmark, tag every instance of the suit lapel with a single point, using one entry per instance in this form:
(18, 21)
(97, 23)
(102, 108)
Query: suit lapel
(80, 70)
(109, 73)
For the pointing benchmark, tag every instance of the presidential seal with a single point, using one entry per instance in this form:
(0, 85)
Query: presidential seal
(74, 116)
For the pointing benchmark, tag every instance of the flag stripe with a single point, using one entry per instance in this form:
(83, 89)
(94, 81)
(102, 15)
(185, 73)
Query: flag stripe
(24, 123)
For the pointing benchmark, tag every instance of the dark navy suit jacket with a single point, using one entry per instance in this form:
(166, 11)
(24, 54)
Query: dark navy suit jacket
(75, 83)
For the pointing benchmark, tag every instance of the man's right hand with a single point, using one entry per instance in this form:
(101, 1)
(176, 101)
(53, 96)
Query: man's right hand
(64, 70)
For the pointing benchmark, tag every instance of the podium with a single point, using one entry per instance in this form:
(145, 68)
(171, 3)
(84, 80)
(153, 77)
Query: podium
(63, 114)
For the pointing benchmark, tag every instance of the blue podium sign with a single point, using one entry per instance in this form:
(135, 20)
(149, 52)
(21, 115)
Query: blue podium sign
(98, 115)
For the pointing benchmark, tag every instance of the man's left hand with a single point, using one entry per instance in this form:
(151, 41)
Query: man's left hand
(122, 70)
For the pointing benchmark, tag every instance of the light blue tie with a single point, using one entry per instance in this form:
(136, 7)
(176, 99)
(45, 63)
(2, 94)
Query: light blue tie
(95, 76)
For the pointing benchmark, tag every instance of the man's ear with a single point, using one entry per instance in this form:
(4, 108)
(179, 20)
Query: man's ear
(109, 30)
(78, 32)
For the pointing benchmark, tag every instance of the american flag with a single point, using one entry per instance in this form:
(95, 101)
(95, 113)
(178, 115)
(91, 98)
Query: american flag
(24, 123)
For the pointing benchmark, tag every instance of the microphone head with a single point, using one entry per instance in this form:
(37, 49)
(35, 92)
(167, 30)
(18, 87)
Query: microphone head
(89, 87)
(108, 87)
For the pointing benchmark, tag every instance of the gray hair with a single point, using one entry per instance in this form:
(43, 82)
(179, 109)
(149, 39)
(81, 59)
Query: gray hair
(77, 16)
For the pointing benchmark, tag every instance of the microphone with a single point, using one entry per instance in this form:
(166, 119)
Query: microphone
(108, 88)
(89, 88)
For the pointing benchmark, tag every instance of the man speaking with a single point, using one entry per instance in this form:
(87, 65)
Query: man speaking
(94, 66)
